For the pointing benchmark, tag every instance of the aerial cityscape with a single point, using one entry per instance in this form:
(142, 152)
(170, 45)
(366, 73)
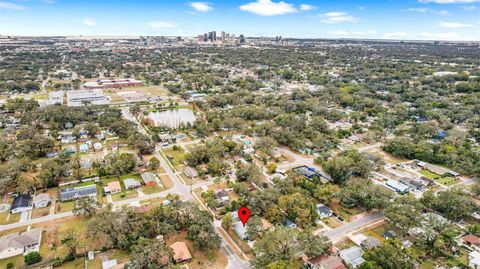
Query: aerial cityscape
(240, 134)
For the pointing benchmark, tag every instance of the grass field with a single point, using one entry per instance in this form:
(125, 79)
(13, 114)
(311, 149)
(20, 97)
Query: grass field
(175, 156)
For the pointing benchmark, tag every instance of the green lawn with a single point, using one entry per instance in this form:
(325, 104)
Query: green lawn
(124, 195)
(175, 156)
(7, 218)
(429, 174)
(65, 206)
(447, 180)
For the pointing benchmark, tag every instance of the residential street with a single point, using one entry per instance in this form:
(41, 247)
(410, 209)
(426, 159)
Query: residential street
(338, 233)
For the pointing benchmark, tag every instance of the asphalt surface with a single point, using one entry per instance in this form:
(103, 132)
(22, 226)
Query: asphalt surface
(338, 233)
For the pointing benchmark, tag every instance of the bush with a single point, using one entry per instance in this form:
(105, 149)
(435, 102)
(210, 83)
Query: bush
(32, 258)
(10, 265)
(57, 262)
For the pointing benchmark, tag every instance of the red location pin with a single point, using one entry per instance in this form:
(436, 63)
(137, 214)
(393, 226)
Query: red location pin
(243, 214)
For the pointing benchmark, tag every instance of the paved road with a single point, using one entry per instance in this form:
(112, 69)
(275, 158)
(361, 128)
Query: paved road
(234, 261)
(338, 233)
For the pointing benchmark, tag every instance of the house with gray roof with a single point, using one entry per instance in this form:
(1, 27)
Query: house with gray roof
(70, 194)
(41, 200)
(131, 183)
(352, 256)
(20, 243)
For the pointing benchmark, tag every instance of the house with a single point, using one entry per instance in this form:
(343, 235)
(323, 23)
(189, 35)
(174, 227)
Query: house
(323, 211)
(113, 187)
(150, 179)
(190, 172)
(325, 262)
(131, 183)
(240, 230)
(97, 146)
(474, 259)
(67, 139)
(69, 194)
(41, 200)
(85, 163)
(180, 252)
(370, 243)
(21, 203)
(20, 244)
(471, 240)
(108, 264)
(352, 256)
(83, 148)
(397, 186)
(222, 195)
(308, 172)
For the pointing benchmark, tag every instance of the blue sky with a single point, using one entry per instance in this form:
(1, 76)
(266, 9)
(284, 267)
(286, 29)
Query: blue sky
(395, 19)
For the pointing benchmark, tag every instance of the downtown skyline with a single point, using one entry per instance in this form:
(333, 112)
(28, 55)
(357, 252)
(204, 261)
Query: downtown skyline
(370, 19)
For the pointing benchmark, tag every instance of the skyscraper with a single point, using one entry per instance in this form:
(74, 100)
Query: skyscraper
(242, 39)
(223, 36)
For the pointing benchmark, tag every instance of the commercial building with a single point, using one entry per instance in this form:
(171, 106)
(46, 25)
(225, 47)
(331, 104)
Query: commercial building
(107, 84)
(55, 97)
(82, 97)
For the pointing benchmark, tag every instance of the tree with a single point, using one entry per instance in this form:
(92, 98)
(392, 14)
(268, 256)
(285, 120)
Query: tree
(271, 167)
(255, 228)
(32, 258)
(154, 164)
(391, 255)
(278, 245)
(86, 206)
(71, 241)
(150, 253)
(346, 165)
(397, 216)
(313, 245)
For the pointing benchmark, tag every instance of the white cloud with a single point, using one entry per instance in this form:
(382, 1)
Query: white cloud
(161, 24)
(449, 1)
(268, 8)
(420, 9)
(337, 17)
(454, 25)
(201, 6)
(6, 5)
(338, 33)
(89, 22)
(395, 35)
(443, 13)
(440, 36)
(307, 7)
(469, 8)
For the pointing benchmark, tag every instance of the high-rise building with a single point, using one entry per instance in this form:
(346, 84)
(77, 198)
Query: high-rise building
(242, 39)
(223, 36)
(205, 37)
(200, 38)
(214, 36)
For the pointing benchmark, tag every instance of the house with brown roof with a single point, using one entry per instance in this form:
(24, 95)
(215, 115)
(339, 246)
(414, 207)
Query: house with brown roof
(180, 252)
(471, 241)
(113, 187)
(20, 243)
(325, 262)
